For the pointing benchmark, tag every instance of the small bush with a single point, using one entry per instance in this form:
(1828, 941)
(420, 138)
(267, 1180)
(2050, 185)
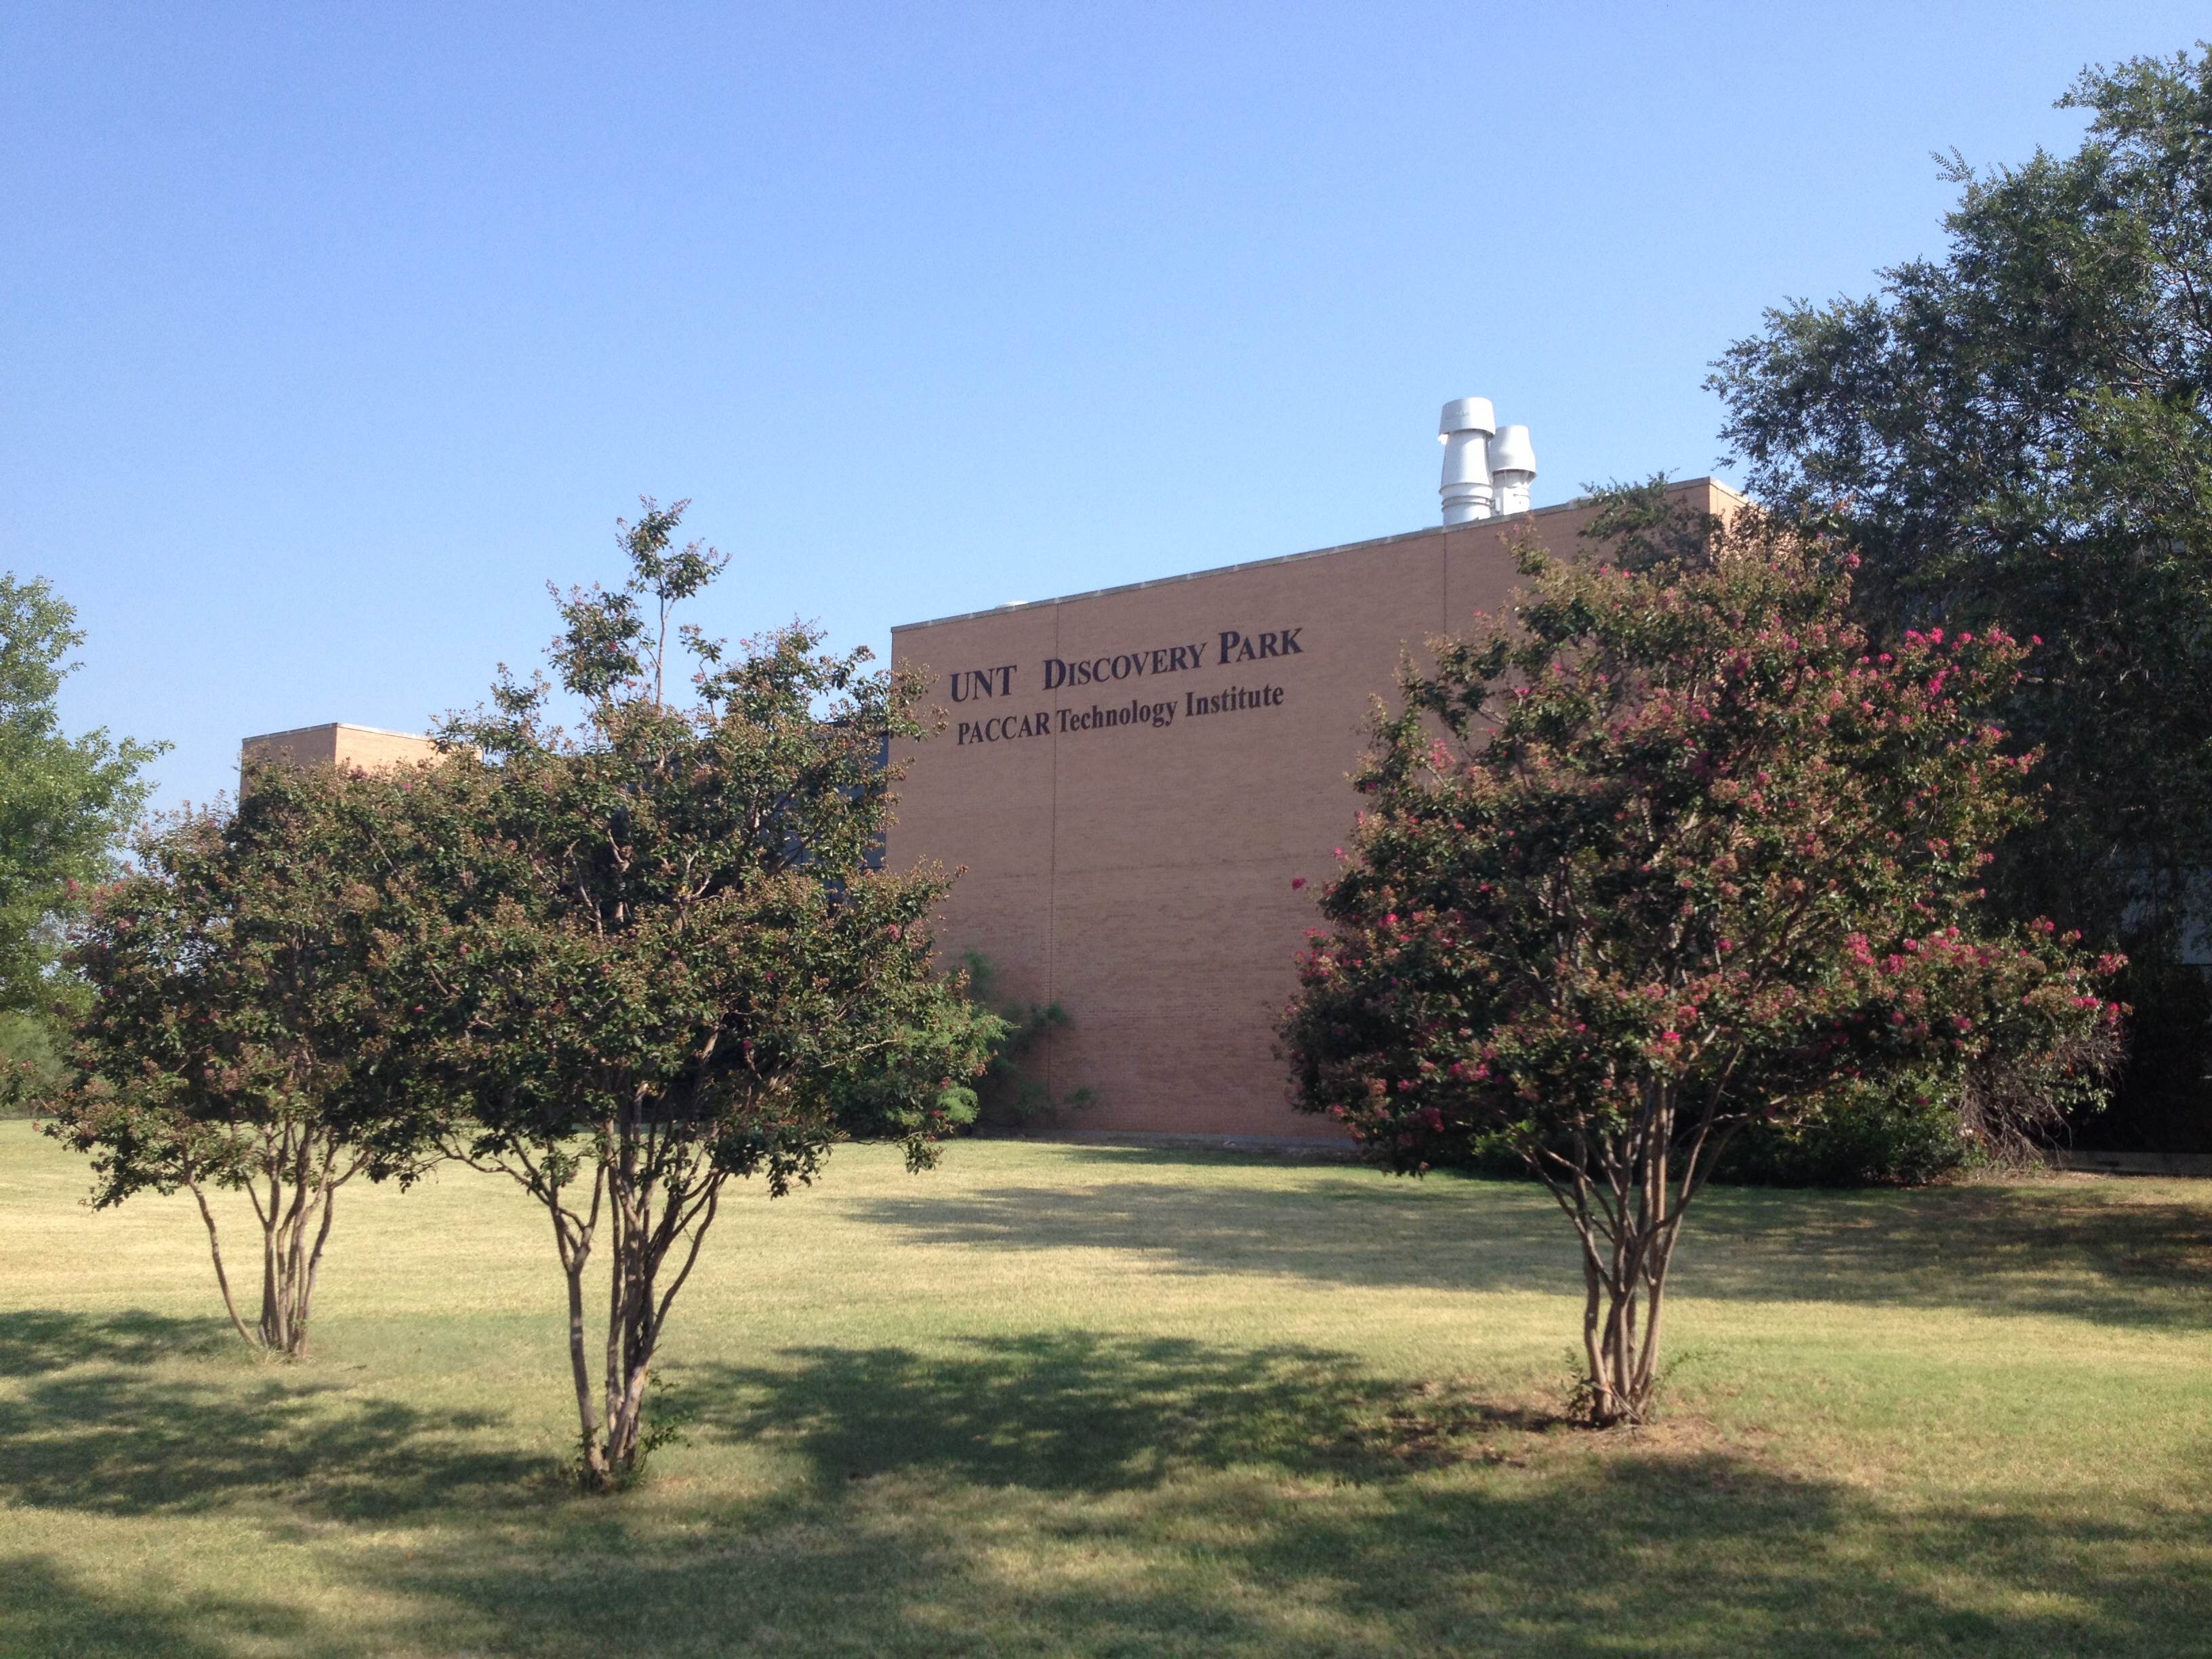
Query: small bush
(30, 1063)
(1010, 1094)
(1904, 1137)
(2163, 1103)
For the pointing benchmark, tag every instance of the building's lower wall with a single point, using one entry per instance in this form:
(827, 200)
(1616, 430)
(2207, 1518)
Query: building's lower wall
(1140, 875)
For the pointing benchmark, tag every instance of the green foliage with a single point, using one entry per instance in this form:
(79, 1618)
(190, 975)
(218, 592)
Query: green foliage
(31, 1069)
(64, 802)
(1012, 1094)
(234, 1018)
(2020, 432)
(1906, 1132)
(1670, 852)
(2163, 1096)
(1902, 1131)
(649, 957)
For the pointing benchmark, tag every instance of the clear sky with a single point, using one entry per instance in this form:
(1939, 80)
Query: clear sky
(328, 334)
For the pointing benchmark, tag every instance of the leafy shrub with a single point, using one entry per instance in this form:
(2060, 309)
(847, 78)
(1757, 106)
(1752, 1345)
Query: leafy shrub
(1012, 1093)
(1905, 1135)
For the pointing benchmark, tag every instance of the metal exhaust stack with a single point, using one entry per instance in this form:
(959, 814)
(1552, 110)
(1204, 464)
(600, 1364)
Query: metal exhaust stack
(1464, 432)
(1487, 470)
(1512, 470)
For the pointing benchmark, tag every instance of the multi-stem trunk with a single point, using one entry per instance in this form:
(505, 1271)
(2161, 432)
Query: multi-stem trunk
(658, 1191)
(1626, 1192)
(1625, 1277)
(665, 1191)
(295, 1197)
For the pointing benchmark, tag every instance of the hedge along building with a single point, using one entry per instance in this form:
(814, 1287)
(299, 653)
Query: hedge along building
(1145, 785)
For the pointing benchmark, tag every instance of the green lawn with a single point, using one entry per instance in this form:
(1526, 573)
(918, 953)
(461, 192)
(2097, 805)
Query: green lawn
(1084, 1401)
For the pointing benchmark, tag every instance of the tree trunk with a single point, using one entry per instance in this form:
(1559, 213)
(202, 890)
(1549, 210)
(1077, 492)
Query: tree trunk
(574, 1243)
(221, 1278)
(594, 1469)
(296, 1210)
(651, 1218)
(1626, 1200)
(655, 1194)
(272, 1301)
(1624, 1297)
(630, 1333)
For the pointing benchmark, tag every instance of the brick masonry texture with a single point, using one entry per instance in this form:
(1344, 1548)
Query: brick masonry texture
(364, 746)
(1139, 874)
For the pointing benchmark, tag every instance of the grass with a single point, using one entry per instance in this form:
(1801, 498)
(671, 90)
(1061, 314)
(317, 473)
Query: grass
(1086, 1400)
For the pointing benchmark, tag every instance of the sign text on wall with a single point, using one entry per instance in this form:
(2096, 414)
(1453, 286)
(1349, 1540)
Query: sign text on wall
(1231, 646)
(970, 685)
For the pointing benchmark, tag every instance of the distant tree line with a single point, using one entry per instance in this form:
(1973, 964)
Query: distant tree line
(2018, 433)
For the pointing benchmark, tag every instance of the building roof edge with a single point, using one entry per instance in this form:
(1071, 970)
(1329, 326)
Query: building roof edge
(1280, 558)
(337, 725)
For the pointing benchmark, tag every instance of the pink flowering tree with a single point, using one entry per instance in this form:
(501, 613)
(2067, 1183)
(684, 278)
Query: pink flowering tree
(1669, 851)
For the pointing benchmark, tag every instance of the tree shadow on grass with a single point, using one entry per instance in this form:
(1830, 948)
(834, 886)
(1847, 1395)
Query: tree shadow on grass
(1695, 1554)
(37, 1340)
(1096, 1496)
(2098, 1250)
(45, 1611)
(1074, 1412)
(1352, 1229)
(1715, 1552)
(131, 1415)
(2084, 1251)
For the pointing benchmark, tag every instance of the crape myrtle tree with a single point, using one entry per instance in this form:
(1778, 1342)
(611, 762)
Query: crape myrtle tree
(2019, 429)
(233, 1021)
(1669, 852)
(663, 959)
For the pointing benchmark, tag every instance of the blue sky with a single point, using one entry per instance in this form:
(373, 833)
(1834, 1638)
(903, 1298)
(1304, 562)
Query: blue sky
(330, 334)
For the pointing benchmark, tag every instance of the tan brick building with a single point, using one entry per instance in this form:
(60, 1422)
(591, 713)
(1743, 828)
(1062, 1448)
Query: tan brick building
(365, 746)
(1134, 779)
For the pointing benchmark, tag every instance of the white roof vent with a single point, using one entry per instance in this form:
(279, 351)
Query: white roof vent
(1487, 472)
(1512, 469)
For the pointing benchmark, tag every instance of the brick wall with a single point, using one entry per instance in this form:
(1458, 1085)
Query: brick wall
(1139, 873)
